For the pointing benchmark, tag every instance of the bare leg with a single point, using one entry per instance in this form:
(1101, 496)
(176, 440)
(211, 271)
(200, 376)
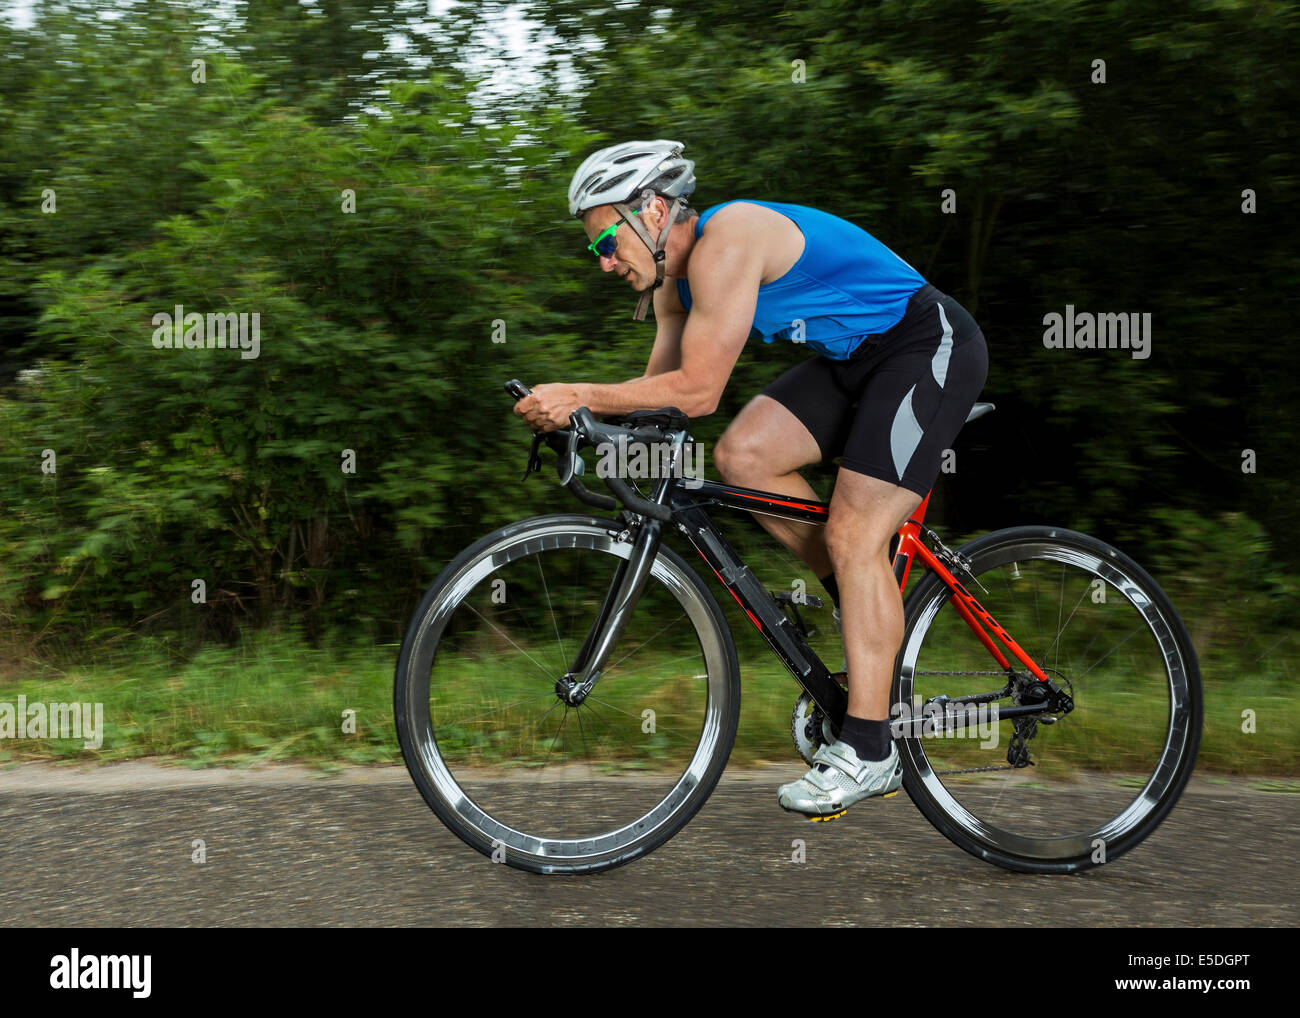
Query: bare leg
(763, 448)
(865, 514)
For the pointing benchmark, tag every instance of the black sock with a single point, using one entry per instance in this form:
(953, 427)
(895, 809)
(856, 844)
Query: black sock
(832, 588)
(869, 739)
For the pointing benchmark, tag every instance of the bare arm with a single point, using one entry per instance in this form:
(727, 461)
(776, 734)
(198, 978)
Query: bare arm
(727, 268)
(670, 320)
(725, 290)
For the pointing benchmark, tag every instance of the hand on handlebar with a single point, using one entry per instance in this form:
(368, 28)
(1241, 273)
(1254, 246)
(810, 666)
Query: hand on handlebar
(585, 430)
(549, 406)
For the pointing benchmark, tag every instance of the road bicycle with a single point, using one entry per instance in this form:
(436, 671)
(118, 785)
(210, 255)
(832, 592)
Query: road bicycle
(568, 690)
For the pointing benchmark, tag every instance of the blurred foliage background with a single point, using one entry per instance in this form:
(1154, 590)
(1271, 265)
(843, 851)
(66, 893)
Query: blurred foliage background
(226, 194)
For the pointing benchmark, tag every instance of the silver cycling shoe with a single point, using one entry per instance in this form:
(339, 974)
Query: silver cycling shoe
(838, 779)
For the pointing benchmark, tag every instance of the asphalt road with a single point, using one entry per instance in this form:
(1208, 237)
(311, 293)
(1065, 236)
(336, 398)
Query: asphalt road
(113, 847)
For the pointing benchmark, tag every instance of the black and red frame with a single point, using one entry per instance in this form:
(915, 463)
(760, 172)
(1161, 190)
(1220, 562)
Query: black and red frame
(684, 505)
(688, 506)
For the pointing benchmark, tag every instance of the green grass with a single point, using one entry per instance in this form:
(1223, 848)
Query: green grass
(274, 698)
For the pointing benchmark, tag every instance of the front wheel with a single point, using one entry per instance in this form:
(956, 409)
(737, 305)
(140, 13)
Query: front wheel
(516, 771)
(1049, 794)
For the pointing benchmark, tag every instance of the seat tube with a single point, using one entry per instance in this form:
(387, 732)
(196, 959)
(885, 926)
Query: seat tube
(908, 534)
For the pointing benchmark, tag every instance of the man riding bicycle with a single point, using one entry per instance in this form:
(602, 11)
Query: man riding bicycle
(898, 367)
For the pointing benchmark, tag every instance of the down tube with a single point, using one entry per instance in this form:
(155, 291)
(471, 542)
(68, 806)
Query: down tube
(806, 667)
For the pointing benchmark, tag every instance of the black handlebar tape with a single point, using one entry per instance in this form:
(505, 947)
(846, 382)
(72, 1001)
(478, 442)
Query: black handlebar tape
(636, 503)
(584, 494)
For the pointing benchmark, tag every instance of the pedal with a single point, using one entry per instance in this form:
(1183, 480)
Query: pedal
(785, 600)
(784, 597)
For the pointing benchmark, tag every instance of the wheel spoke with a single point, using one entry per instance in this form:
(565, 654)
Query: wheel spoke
(599, 794)
(1061, 631)
(506, 635)
(663, 629)
(495, 710)
(1120, 737)
(1111, 651)
(564, 657)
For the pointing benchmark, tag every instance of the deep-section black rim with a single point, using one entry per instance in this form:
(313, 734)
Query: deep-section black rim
(475, 800)
(1002, 819)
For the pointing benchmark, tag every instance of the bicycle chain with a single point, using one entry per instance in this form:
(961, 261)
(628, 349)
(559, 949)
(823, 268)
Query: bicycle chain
(1014, 738)
(977, 770)
(1019, 746)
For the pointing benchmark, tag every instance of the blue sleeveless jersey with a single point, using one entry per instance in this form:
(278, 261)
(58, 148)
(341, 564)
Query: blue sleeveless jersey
(845, 286)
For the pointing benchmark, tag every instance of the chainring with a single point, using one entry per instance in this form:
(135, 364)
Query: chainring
(809, 728)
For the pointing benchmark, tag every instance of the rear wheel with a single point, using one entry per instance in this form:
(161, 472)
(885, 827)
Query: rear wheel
(512, 768)
(1025, 794)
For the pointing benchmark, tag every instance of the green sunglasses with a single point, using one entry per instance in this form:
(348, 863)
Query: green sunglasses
(605, 243)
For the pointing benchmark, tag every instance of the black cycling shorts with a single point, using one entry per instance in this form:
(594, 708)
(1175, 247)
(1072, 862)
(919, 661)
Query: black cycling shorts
(897, 403)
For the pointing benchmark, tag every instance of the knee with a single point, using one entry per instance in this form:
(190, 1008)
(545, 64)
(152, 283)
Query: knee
(736, 459)
(853, 538)
(841, 536)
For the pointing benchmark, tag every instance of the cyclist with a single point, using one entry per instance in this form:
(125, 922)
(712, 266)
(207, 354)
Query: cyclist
(898, 367)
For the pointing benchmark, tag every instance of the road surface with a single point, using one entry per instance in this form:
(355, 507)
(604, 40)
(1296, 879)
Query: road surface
(114, 846)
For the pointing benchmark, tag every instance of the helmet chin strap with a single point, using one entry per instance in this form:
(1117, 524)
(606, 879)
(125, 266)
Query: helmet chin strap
(657, 248)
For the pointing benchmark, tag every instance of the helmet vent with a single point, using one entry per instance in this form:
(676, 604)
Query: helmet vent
(612, 182)
(623, 172)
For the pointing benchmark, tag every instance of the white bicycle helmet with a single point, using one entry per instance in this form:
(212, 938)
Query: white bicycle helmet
(623, 173)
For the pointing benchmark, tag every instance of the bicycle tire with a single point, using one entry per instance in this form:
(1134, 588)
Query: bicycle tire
(428, 762)
(1001, 555)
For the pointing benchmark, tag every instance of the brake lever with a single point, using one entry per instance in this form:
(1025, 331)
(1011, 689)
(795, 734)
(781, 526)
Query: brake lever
(572, 463)
(534, 460)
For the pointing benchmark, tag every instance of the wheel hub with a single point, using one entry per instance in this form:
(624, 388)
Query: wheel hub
(572, 692)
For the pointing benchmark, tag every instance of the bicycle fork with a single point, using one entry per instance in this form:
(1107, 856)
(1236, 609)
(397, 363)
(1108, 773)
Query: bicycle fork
(630, 580)
(623, 594)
